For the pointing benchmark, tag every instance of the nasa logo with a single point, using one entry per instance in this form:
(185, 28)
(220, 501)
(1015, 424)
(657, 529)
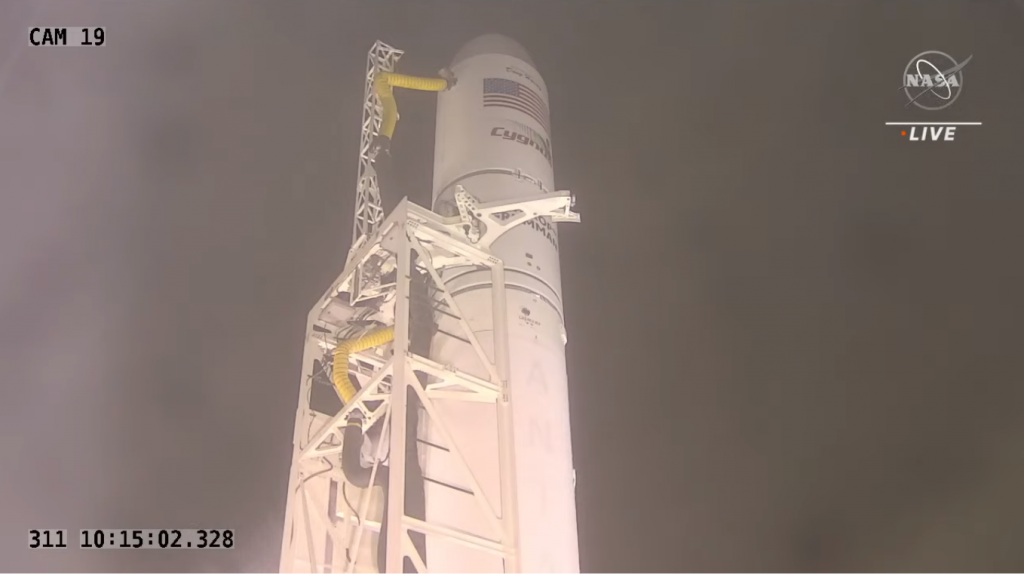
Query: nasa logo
(535, 142)
(932, 81)
(933, 91)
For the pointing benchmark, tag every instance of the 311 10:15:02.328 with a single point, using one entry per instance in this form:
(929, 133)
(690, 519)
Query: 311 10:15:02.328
(157, 539)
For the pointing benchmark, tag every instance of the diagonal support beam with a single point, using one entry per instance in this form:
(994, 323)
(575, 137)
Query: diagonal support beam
(467, 330)
(490, 514)
(339, 419)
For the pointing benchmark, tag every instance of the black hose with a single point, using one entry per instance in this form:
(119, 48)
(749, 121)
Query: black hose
(354, 471)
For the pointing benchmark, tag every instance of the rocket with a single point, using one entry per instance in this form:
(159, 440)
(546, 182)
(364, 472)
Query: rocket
(493, 139)
(450, 478)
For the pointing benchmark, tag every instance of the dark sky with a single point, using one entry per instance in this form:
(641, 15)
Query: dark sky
(794, 336)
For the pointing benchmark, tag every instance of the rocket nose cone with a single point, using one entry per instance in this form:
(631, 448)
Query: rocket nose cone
(492, 44)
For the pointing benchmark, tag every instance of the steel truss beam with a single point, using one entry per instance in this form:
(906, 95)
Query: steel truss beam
(369, 211)
(319, 535)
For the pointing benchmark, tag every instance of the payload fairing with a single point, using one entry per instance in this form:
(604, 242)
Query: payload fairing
(471, 470)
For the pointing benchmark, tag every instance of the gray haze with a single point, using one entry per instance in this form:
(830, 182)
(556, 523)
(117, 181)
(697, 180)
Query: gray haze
(794, 337)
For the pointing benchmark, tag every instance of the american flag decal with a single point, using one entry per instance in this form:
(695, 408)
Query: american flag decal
(502, 93)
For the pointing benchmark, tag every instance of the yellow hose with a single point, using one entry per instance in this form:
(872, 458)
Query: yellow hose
(383, 87)
(373, 339)
(415, 83)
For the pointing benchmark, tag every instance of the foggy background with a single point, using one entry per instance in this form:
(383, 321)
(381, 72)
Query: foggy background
(794, 336)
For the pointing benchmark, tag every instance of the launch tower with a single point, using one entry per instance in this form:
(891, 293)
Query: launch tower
(432, 431)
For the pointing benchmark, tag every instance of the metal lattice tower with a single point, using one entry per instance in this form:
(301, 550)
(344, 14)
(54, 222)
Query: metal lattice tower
(369, 212)
(320, 534)
(331, 525)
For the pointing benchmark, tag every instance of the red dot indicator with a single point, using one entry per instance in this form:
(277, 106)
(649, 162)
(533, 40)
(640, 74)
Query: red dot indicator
(903, 133)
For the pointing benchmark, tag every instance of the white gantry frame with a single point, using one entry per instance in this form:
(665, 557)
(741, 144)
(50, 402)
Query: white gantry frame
(369, 212)
(317, 536)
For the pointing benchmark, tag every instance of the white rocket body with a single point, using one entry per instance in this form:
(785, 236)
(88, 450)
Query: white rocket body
(502, 151)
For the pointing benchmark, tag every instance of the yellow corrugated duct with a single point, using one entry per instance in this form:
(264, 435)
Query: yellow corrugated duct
(415, 83)
(383, 86)
(373, 339)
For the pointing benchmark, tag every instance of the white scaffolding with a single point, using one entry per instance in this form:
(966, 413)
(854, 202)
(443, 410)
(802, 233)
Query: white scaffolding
(369, 212)
(321, 535)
